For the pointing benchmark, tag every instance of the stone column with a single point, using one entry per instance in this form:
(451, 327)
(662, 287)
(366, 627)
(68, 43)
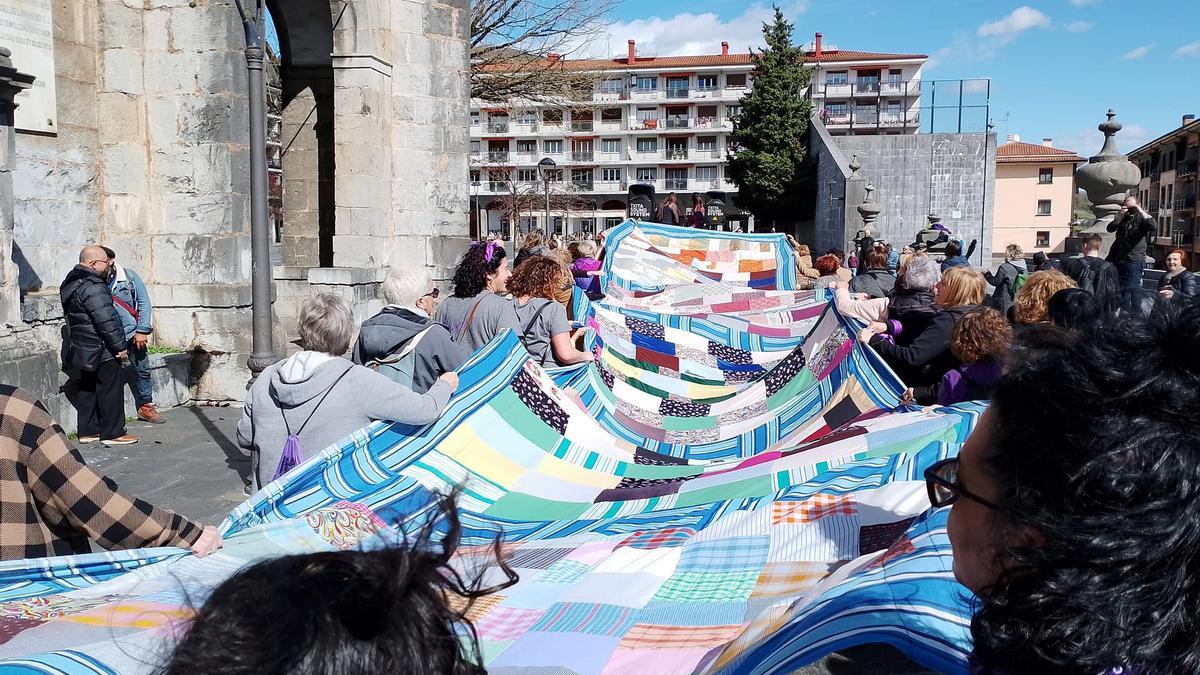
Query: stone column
(1107, 178)
(12, 82)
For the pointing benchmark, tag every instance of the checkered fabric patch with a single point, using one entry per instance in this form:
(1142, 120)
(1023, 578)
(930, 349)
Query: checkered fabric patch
(725, 555)
(708, 586)
(564, 572)
(790, 578)
(655, 636)
(816, 507)
(506, 623)
(665, 538)
(871, 538)
(585, 617)
(478, 609)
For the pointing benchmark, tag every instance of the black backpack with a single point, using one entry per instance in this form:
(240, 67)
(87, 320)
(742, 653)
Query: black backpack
(1097, 277)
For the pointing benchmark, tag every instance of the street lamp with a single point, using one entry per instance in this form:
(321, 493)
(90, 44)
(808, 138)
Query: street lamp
(262, 352)
(479, 234)
(546, 169)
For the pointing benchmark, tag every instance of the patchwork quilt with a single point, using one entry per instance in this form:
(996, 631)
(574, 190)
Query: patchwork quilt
(697, 501)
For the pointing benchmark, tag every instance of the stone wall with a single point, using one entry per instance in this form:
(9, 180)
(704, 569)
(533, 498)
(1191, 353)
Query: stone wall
(952, 175)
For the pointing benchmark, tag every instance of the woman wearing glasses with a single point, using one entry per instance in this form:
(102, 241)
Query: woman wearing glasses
(1076, 501)
(401, 341)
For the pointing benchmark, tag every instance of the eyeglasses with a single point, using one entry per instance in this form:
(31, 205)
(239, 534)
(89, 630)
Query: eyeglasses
(433, 294)
(941, 480)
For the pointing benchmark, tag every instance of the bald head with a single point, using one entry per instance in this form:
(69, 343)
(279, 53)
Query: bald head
(92, 253)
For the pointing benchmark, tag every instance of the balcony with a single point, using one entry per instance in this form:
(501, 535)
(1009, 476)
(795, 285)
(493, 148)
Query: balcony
(526, 125)
(676, 92)
(676, 184)
(865, 117)
(835, 89)
(497, 126)
(866, 88)
(1185, 203)
(675, 154)
(1153, 210)
(583, 156)
(646, 94)
(583, 125)
(1155, 176)
(497, 186)
(678, 123)
(583, 185)
(900, 88)
(651, 123)
(1185, 169)
(708, 153)
(495, 156)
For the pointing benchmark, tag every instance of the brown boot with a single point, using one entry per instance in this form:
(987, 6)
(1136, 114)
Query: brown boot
(149, 413)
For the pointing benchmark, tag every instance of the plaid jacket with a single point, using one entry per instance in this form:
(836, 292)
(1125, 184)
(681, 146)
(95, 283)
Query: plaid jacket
(52, 503)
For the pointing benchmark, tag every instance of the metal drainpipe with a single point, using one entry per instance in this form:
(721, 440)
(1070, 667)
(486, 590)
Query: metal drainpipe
(262, 353)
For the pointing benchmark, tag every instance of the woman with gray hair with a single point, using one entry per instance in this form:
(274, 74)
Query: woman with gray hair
(910, 301)
(315, 397)
(403, 344)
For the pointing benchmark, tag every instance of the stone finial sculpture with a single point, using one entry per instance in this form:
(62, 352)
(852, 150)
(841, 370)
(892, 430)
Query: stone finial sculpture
(854, 166)
(1108, 176)
(869, 210)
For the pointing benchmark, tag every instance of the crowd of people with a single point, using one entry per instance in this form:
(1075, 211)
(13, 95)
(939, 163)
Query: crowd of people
(1074, 504)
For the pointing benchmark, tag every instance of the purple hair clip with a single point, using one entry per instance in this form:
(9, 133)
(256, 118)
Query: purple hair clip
(491, 250)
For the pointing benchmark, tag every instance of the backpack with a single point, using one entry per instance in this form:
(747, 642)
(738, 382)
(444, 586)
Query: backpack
(1096, 277)
(293, 454)
(1022, 277)
(400, 367)
(541, 358)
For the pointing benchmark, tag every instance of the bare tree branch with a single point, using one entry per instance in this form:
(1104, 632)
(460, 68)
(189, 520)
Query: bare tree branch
(511, 44)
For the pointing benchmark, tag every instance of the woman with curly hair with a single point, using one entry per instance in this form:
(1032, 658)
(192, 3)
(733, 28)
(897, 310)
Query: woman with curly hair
(475, 313)
(401, 609)
(544, 328)
(1031, 304)
(1076, 501)
(980, 341)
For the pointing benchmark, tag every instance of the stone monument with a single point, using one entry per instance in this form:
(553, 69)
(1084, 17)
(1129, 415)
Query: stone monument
(869, 210)
(1107, 178)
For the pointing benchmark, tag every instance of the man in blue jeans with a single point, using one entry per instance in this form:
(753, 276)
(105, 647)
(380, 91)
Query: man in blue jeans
(132, 303)
(1133, 227)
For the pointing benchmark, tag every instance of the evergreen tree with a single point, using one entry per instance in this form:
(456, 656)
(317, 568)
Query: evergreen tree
(770, 136)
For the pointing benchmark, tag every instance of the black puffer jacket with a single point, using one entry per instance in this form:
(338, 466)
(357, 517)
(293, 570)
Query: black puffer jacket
(94, 332)
(1184, 283)
(927, 357)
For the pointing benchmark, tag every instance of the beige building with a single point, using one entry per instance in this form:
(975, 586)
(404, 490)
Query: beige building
(1035, 188)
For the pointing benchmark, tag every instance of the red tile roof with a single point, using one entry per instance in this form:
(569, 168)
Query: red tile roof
(650, 62)
(1016, 152)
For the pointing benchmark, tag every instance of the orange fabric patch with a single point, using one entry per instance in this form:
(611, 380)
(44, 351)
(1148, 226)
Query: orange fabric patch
(816, 507)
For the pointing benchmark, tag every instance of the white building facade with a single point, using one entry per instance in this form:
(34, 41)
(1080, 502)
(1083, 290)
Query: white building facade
(660, 121)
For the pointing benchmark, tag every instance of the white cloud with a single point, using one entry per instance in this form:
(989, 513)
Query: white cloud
(1190, 49)
(1083, 3)
(1087, 142)
(1080, 26)
(989, 37)
(1018, 21)
(688, 34)
(1138, 52)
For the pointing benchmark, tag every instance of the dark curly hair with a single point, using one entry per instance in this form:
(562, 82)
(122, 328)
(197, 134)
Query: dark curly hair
(400, 609)
(539, 277)
(981, 335)
(470, 277)
(1071, 307)
(1096, 449)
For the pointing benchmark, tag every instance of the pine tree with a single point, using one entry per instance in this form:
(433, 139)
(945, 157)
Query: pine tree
(770, 136)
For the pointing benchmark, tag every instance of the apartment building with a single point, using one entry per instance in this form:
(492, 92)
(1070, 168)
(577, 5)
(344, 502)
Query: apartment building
(1035, 191)
(1169, 186)
(665, 122)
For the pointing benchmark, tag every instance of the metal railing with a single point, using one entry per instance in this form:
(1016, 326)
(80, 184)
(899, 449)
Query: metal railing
(496, 127)
(866, 87)
(651, 123)
(678, 93)
(677, 153)
(531, 125)
(676, 184)
(1185, 202)
(584, 185)
(583, 155)
(583, 125)
(497, 186)
(678, 123)
(497, 156)
(1153, 207)
(859, 117)
(1155, 176)
(1185, 169)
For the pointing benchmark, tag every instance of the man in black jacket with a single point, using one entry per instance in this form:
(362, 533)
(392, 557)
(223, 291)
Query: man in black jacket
(1133, 227)
(95, 347)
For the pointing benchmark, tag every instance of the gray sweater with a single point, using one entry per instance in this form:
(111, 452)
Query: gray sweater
(295, 386)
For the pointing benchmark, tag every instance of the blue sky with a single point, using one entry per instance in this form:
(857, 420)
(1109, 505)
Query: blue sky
(1056, 66)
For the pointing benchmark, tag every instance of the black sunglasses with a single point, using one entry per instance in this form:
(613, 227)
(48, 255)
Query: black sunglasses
(433, 294)
(941, 480)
